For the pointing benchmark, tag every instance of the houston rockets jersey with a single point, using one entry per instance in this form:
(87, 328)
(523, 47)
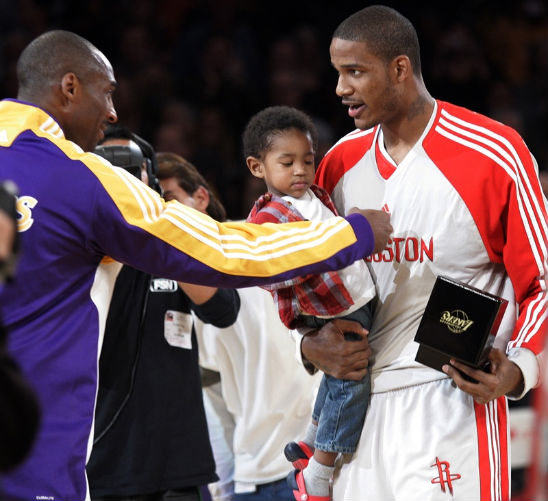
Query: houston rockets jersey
(75, 209)
(466, 203)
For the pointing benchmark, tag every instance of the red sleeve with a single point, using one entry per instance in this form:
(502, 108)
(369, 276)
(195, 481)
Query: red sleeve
(508, 207)
(524, 254)
(261, 217)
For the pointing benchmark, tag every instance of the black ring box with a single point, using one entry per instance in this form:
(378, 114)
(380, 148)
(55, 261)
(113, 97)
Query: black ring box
(459, 322)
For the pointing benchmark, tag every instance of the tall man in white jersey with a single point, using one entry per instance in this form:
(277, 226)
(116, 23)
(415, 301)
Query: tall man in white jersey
(465, 201)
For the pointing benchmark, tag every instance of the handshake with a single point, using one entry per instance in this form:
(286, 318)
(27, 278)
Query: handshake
(9, 242)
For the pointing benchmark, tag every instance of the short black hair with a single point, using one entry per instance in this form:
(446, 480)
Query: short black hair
(386, 32)
(50, 56)
(264, 125)
(117, 131)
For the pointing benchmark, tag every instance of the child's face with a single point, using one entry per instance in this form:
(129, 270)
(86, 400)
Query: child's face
(288, 166)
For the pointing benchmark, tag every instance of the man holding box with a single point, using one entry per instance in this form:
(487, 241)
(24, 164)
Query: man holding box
(465, 200)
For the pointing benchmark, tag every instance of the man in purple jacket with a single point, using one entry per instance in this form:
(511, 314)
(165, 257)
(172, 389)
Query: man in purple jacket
(79, 218)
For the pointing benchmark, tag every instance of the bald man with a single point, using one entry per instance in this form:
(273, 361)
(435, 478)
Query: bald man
(75, 210)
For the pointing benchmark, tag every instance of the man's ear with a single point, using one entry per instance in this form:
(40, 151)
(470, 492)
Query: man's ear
(401, 68)
(70, 87)
(201, 199)
(255, 166)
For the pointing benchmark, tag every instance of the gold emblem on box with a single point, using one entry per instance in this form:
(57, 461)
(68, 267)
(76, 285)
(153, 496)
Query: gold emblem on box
(456, 321)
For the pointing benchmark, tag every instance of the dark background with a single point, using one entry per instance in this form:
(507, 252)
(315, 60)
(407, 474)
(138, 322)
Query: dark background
(191, 73)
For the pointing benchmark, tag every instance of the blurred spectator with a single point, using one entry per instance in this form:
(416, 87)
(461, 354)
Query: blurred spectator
(19, 409)
(459, 70)
(9, 242)
(544, 181)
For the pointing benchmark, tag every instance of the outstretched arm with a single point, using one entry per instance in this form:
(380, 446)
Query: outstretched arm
(191, 247)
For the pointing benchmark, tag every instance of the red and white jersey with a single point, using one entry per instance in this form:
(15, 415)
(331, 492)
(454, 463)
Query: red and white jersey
(466, 203)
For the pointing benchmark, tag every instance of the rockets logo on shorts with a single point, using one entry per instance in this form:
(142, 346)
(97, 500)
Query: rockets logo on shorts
(445, 478)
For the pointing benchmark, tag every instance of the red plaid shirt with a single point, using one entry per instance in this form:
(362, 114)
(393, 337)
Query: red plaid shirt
(323, 294)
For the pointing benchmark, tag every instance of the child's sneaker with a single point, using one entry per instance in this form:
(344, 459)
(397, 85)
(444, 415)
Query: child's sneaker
(295, 480)
(298, 453)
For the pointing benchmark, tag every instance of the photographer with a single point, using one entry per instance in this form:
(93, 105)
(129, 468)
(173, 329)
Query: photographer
(19, 412)
(151, 439)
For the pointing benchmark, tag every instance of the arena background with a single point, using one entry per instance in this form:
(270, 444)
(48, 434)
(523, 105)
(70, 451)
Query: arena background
(191, 73)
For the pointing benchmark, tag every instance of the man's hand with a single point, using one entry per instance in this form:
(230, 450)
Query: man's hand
(504, 378)
(380, 224)
(327, 349)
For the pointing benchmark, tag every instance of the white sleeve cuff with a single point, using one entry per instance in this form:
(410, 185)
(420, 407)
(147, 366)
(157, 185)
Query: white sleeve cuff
(528, 363)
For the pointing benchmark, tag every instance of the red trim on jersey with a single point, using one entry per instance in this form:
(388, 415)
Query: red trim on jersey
(502, 413)
(342, 159)
(483, 453)
(385, 165)
(493, 457)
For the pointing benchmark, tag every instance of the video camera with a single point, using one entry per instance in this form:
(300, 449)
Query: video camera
(130, 157)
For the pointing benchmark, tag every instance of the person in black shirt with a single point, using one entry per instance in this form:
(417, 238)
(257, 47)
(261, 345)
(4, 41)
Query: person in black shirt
(151, 439)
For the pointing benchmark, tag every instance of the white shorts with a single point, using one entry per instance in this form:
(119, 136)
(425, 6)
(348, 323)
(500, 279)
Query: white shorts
(428, 442)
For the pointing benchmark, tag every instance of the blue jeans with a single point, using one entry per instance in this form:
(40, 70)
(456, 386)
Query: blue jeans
(341, 404)
(275, 491)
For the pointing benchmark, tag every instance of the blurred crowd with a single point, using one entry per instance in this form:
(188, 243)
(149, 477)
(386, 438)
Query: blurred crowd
(191, 73)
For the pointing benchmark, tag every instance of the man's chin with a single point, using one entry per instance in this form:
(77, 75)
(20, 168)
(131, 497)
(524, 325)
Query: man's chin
(362, 124)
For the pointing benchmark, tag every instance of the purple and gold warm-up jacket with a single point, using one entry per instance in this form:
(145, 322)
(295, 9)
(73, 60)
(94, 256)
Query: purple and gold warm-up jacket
(75, 209)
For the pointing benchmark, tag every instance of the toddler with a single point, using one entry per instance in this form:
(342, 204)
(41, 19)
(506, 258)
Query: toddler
(279, 146)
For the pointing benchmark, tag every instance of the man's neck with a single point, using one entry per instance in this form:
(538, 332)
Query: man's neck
(401, 135)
